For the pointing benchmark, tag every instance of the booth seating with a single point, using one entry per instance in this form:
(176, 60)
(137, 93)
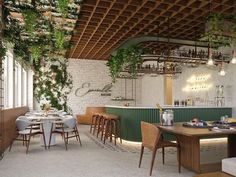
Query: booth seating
(87, 117)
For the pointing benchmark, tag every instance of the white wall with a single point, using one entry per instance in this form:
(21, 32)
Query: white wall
(96, 73)
(229, 82)
(152, 90)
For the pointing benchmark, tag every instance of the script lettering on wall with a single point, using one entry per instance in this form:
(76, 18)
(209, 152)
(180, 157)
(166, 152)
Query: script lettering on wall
(86, 89)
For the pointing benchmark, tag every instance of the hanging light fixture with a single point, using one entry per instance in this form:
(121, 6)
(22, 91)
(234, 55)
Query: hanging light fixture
(210, 61)
(233, 61)
(222, 70)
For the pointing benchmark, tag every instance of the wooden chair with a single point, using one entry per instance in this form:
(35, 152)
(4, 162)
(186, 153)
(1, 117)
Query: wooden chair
(27, 129)
(64, 127)
(152, 139)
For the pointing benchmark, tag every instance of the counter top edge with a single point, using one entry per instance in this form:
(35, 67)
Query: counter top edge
(165, 107)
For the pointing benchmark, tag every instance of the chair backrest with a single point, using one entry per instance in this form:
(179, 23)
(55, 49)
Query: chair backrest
(150, 135)
(70, 122)
(22, 123)
(22, 117)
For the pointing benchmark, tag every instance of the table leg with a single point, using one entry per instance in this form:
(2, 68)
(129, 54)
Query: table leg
(47, 129)
(232, 145)
(190, 152)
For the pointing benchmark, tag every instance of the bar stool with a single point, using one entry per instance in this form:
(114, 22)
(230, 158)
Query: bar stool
(110, 128)
(93, 123)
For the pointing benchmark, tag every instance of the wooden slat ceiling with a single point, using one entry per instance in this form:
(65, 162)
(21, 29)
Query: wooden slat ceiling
(105, 24)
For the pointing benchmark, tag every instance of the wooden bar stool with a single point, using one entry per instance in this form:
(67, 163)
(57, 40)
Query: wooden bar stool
(93, 123)
(110, 128)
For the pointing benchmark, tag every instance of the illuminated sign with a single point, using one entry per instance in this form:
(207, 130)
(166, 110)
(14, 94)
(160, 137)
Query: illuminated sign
(198, 83)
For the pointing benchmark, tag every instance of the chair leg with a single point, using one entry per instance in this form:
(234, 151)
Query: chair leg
(23, 140)
(67, 139)
(99, 124)
(120, 131)
(27, 149)
(141, 156)
(11, 145)
(153, 160)
(49, 144)
(101, 129)
(106, 131)
(63, 133)
(163, 155)
(77, 135)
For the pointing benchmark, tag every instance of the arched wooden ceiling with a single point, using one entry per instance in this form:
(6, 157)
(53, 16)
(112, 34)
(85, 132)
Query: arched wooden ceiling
(105, 24)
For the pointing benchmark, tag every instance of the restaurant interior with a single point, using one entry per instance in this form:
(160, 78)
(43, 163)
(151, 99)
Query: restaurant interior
(117, 88)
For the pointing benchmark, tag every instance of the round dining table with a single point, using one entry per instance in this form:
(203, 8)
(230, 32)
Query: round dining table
(47, 124)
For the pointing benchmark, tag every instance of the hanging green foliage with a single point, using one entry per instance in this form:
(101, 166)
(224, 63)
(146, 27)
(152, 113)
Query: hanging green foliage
(220, 30)
(30, 18)
(37, 32)
(53, 83)
(35, 53)
(3, 51)
(62, 7)
(59, 39)
(125, 59)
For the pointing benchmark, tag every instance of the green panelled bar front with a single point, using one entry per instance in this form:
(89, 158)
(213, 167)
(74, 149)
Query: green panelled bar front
(131, 117)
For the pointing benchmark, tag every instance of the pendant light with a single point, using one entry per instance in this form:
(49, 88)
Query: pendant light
(210, 61)
(222, 70)
(233, 61)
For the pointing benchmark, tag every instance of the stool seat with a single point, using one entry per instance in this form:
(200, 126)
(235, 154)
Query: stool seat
(110, 116)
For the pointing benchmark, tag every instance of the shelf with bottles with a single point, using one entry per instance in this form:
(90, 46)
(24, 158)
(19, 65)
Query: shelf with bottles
(119, 98)
(124, 76)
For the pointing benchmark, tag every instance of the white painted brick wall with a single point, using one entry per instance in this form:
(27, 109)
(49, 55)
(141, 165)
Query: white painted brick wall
(97, 74)
(229, 82)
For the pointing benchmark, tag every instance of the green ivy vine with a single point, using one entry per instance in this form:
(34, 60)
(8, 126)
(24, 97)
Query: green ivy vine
(53, 83)
(215, 30)
(40, 36)
(125, 59)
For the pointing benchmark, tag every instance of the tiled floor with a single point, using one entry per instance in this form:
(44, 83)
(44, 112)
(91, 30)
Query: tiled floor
(94, 159)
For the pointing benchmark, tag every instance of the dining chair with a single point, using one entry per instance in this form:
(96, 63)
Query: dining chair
(152, 139)
(26, 129)
(64, 127)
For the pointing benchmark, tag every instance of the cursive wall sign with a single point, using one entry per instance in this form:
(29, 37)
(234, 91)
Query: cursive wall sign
(85, 89)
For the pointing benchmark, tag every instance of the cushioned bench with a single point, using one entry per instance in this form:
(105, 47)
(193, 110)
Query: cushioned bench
(229, 166)
(87, 117)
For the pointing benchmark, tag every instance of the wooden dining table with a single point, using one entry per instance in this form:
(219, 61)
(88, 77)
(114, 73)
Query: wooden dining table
(189, 139)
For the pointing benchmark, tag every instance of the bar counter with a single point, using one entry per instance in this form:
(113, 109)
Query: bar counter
(132, 116)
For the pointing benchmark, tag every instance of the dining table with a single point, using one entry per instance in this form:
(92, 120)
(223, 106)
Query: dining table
(189, 139)
(47, 119)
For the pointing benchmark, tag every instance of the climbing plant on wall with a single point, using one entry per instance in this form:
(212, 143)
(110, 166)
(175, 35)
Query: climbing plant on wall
(40, 33)
(53, 83)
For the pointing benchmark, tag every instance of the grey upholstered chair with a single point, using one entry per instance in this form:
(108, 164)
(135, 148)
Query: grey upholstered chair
(26, 129)
(65, 127)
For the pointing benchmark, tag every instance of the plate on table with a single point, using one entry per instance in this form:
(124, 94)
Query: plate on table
(194, 125)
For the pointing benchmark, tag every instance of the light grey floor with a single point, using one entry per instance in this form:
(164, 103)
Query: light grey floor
(91, 160)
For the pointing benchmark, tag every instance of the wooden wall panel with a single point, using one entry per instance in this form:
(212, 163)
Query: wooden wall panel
(9, 118)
